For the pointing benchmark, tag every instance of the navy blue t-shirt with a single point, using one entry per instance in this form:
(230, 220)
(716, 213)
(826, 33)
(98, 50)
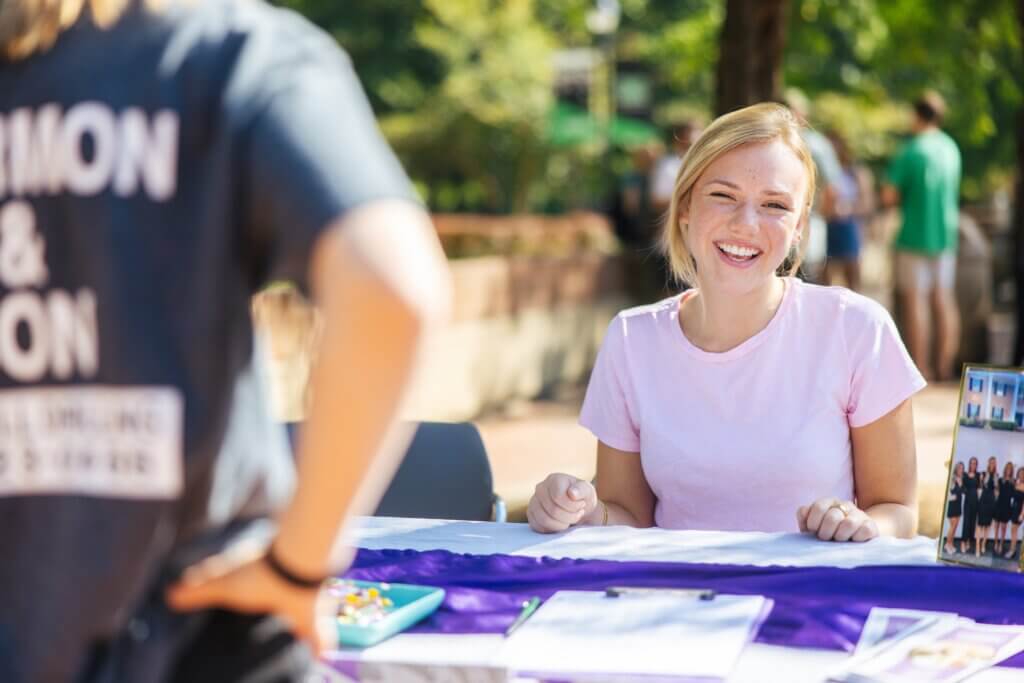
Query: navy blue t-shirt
(152, 177)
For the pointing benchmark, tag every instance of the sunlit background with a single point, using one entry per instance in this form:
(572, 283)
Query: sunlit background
(530, 128)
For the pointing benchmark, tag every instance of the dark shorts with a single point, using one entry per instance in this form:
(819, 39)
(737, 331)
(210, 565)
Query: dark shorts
(243, 648)
(843, 240)
(213, 647)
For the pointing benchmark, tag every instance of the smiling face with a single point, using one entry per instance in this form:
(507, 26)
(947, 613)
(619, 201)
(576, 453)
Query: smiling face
(744, 216)
(959, 469)
(972, 465)
(991, 468)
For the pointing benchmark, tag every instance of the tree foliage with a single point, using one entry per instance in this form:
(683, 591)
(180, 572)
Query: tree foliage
(463, 86)
(873, 56)
(463, 90)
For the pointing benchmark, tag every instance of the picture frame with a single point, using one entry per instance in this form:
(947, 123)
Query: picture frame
(983, 515)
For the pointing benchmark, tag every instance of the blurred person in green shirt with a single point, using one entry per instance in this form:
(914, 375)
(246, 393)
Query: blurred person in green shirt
(924, 178)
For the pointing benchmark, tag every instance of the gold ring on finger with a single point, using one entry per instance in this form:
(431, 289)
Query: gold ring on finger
(842, 507)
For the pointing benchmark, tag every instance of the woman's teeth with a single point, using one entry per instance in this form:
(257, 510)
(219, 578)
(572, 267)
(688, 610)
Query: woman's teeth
(742, 253)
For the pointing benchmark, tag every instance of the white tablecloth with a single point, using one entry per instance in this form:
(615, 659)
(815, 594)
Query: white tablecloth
(626, 543)
(438, 657)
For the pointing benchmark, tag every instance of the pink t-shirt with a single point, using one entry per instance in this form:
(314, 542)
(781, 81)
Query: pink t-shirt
(738, 440)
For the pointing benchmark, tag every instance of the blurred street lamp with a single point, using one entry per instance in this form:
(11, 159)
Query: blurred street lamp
(603, 22)
(603, 19)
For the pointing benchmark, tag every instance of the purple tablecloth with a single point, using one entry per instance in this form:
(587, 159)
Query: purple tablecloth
(822, 607)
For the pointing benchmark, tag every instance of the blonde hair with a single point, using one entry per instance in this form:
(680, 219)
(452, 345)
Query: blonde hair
(31, 26)
(756, 124)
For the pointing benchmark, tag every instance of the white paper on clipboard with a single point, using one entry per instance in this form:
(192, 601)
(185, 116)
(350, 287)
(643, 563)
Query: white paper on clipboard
(588, 636)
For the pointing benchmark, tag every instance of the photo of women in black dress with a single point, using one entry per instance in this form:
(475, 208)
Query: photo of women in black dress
(970, 505)
(985, 475)
(1002, 516)
(954, 507)
(1016, 510)
(987, 484)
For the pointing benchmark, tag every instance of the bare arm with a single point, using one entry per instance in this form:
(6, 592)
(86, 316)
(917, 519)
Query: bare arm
(885, 471)
(380, 282)
(866, 199)
(828, 201)
(622, 486)
(890, 195)
(563, 500)
(885, 482)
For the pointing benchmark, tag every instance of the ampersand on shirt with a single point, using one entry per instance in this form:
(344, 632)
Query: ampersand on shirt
(21, 247)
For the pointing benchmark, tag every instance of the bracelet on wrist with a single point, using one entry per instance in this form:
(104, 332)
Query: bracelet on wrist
(287, 575)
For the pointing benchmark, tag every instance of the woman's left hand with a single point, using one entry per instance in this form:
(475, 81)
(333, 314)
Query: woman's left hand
(831, 519)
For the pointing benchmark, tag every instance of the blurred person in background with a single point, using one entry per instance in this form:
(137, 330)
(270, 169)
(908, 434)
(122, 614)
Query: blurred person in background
(853, 204)
(828, 172)
(654, 270)
(924, 180)
(159, 163)
(666, 169)
(636, 225)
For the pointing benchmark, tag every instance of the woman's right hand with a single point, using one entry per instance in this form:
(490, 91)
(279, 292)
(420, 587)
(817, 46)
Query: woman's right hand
(559, 502)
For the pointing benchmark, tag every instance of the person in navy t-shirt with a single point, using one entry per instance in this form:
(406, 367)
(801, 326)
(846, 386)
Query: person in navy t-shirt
(159, 165)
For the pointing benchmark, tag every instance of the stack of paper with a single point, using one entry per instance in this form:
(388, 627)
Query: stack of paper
(906, 646)
(587, 636)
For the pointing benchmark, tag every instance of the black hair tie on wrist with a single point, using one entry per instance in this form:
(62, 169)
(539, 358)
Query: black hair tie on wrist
(287, 575)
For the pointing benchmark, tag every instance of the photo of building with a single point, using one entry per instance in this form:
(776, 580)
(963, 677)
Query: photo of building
(983, 516)
(993, 399)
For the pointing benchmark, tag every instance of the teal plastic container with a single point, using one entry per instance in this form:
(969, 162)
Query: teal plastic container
(411, 604)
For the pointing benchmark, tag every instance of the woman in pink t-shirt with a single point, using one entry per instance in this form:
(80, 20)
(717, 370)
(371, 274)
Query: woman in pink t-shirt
(754, 401)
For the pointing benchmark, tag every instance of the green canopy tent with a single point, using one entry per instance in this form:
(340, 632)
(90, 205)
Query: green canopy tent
(629, 132)
(569, 125)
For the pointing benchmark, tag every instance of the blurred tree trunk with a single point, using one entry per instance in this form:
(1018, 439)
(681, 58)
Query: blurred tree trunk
(1018, 214)
(751, 45)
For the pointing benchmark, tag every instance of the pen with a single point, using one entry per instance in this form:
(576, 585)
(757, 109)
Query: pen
(529, 607)
(699, 593)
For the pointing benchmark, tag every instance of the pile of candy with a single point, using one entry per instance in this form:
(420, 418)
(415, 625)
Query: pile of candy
(359, 606)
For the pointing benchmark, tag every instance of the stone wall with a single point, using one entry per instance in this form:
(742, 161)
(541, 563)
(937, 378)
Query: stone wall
(521, 326)
(533, 296)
